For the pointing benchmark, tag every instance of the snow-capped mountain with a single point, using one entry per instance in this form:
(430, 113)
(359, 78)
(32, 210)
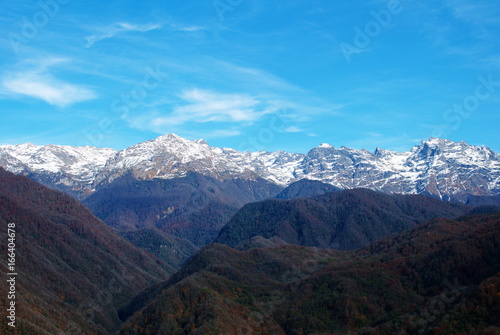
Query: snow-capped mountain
(440, 167)
(72, 169)
(446, 169)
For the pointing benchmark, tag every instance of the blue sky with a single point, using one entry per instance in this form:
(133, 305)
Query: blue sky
(250, 74)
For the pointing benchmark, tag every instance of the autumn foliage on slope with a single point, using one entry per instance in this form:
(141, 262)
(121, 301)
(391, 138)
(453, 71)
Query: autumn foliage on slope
(343, 220)
(74, 272)
(442, 277)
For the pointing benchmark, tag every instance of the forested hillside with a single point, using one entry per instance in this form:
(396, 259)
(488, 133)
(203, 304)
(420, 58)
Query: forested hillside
(340, 220)
(442, 277)
(73, 271)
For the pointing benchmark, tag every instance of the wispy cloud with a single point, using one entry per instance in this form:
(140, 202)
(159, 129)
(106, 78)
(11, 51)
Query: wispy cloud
(234, 113)
(37, 81)
(469, 31)
(207, 106)
(293, 129)
(301, 104)
(253, 76)
(475, 13)
(225, 114)
(118, 28)
(190, 29)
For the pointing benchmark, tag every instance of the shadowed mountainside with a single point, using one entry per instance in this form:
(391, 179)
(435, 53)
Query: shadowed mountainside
(306, 188)
(343, 220)
(172, 250)
(194, 207)
(74, 272)
(442, 277)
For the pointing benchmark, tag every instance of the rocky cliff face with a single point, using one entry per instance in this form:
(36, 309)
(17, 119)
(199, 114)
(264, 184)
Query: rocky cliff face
(445, 169)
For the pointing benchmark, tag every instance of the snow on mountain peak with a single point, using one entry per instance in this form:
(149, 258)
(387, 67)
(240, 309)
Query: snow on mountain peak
(74, 167)
(201, 141)
(438, 142)
(436, 166)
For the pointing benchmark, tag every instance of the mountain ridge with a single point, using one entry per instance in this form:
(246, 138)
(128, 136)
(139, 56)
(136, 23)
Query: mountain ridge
(194, 207)
(344, 220)
(439, 167)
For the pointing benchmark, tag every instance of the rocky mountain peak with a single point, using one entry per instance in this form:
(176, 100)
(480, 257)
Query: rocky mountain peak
(446, 169)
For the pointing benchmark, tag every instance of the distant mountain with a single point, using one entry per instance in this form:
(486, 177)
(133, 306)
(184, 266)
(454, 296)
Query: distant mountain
(342, 220)
(193, 207)
(73, 271)
(442, 277)
(69, 169)
(439, 167)
(306, 188)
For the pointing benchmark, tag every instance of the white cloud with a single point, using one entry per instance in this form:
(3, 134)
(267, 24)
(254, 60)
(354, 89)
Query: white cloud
(197, 108)
(39, 83)
(248, 77)
(300, 103)
(207, 106)
(52, 91)
(118, 28)
(473, 12)
(293, 129)
(189, 29)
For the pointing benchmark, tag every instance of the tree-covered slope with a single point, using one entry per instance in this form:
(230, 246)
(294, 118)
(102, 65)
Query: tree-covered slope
(194, 207)
(73, 271)
(442, 277)
(346, 219)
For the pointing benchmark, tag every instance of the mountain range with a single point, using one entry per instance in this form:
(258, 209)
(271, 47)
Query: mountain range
(439, 167)
(80, 276)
